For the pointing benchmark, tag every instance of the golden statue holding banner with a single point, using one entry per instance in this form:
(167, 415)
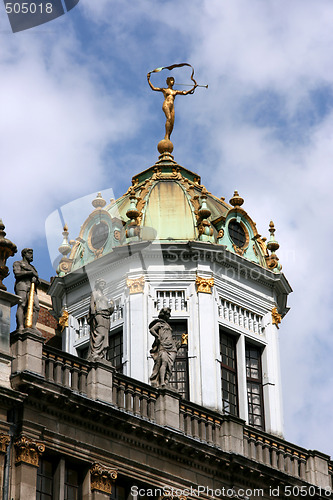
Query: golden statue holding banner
(25, 287)
(169, 103)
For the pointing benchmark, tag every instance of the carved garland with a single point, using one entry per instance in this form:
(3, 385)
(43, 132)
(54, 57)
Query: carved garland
(204, 285)
(102, 478)
(28, 451)
(136, 285)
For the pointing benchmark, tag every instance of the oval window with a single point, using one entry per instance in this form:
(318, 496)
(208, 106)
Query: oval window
(99, 235)
(237, 233)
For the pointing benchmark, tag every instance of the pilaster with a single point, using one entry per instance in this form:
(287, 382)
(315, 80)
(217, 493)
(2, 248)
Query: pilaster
(7, 301)
(28, 452)
(207, 330)
(137, 350)
(272, 378)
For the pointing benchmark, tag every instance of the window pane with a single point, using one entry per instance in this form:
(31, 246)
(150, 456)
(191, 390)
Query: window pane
(254, 386)
(228, 373)
(179, 377)
(115, 352)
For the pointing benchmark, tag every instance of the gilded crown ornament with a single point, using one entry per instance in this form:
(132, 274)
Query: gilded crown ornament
(236, 200)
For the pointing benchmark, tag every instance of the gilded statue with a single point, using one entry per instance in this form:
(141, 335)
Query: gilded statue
(169, 97)
(164, 349)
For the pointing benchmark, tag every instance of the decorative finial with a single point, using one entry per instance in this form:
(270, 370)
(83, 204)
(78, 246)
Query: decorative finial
(65, 247)
(132, 212)
(165, 146)
(236, 200)
(204, 211)
(98, 202)
(273, 245)
(7, 249)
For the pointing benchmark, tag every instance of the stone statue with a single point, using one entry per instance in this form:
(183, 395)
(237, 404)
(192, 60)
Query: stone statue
(169, 100)
(26, 282)
(164, 349)
(99, 320)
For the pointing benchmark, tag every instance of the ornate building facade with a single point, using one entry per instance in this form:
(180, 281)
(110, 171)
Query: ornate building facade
(72, 428)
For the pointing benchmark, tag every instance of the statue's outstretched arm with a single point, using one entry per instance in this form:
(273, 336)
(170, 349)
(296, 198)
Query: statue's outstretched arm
(151, 85)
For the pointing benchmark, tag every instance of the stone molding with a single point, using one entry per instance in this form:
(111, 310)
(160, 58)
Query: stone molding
(4, 442)
(28, 451)
(102, 478)
(204, 285)
(136, 285)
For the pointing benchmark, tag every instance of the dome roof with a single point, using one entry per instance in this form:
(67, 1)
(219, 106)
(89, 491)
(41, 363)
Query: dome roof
(168, 203)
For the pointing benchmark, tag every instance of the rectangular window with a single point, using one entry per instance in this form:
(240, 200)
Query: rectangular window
(115, 351)
(179, 379)
(254, 386)
(71, 484)
(228, 373)
(44, 489)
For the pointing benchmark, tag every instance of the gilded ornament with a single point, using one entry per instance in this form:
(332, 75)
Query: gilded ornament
(4, 442)
(7, 249)
(184, 338)
(63, 320)
(276, 317)
(28, 451)
(236, 200)
(136, 285)
(204, 285)
(102, 478)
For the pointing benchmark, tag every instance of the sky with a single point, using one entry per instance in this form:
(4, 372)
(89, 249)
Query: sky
(77, 117)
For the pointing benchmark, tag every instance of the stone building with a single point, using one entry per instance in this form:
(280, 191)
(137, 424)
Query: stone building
(71, 428)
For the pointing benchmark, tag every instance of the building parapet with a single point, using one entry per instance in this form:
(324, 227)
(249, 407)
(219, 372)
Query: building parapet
(98, 381)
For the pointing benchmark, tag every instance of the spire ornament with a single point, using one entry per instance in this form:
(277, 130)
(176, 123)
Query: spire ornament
(272, 245)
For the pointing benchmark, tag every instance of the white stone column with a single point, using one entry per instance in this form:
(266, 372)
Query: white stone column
(207, 333)
(272, 378)
(241, 379)
(137, 334)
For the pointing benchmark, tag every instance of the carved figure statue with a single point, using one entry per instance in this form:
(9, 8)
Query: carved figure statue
(164, 349)
(169, 100)
(26, 282)
(99, 320)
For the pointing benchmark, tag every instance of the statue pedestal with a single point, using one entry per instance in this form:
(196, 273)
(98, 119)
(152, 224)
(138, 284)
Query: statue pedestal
(167, 408)
(100, 381)
(27, 351)
(7, 301)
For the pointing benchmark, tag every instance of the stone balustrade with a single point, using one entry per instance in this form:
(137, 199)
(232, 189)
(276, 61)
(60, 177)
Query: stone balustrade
(100, 382)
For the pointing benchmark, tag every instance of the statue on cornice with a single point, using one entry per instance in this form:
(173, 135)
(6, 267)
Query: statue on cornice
(99, 320)
(25, 287)
(164, 349)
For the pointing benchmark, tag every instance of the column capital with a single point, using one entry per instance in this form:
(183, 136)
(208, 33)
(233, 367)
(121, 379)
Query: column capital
(4, 442)
(28, 451)
(136, 285)
(204, 285)
(102, 478)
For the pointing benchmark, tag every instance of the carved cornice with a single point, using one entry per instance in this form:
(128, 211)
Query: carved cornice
(276, 317)
(28, 451)
(4, 442)
(102, 478)
(204, 285)
(136, 285)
